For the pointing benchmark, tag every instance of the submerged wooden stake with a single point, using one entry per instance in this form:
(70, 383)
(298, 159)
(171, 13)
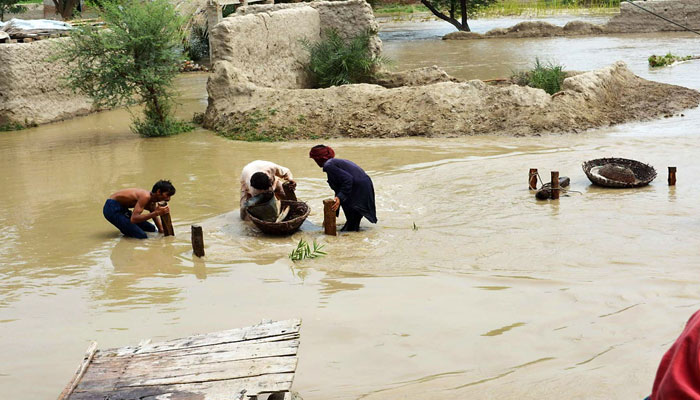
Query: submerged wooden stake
(533, 179)
(197, 241)
(166, 222)
(329, 227)
(671, 176)
(289, 192)
(555, 185)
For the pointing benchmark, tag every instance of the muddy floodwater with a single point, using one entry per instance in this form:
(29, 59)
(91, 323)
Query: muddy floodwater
(467, 288)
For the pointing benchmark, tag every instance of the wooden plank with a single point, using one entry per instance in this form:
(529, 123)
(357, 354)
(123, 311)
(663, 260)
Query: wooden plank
(166, 374)
(233, 335)
(201, 356)
(87, 358)
(219, 390)
(259, 359)
(158, 367)
(185, 351)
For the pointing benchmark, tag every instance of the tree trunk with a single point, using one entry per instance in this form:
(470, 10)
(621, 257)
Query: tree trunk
(465, 25)
(442, 16)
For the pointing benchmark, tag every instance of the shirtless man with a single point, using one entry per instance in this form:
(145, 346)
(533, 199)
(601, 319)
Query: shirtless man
(135, 224)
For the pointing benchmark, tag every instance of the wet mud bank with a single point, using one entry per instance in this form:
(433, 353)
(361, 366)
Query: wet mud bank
(604, 97)
(631, 19)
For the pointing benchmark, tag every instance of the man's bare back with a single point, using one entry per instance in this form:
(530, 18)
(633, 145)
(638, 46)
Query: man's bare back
(129, 197)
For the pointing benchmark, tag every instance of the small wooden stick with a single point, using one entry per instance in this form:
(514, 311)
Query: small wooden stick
(289, 192)
(671, 176)
(87, 359)
(555, 185)
(533, 179)
(197, 241)
(166, 222)
(329, 227)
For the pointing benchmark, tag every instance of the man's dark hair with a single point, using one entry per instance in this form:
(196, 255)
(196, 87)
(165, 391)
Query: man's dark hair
(164, 187)
(260, 181)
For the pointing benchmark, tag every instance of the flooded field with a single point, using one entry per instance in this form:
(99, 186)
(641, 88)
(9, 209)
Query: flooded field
(468, 287)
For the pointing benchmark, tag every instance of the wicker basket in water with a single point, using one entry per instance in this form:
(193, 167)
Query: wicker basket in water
(298, 212)
(643, 173)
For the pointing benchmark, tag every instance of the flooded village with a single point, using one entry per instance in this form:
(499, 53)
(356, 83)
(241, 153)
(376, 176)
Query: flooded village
(467, 286)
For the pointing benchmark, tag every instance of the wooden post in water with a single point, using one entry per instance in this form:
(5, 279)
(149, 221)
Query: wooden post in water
(289, 192)
(555, 185)
(166, 222)
(197, 241)
(329, 227)
(671, 176)
(533, 179)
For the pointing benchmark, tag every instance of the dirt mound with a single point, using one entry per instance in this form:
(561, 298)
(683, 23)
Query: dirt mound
(529, 29)
(593, 99)
(415, 77)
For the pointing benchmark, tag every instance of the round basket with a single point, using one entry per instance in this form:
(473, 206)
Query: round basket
(644, 173)
(298, 212)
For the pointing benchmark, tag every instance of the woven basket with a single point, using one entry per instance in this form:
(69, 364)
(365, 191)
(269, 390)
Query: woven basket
(298, 212)
(643, 173)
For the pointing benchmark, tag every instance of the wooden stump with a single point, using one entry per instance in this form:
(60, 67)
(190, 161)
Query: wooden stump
(166, 222)
(546, 191)
(532, 182)
(671, 176)
(555, 185)
(289, 192)
(197, 241)
(329, 227)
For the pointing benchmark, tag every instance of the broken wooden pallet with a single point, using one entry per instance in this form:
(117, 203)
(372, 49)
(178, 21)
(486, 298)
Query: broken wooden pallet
(234, 364)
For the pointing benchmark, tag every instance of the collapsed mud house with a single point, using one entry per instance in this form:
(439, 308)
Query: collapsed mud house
(260, 83)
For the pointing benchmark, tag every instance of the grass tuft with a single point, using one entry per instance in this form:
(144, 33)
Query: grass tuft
(548, 77)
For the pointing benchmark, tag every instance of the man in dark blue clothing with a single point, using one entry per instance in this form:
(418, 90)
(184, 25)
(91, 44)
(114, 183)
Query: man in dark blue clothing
(353, 188)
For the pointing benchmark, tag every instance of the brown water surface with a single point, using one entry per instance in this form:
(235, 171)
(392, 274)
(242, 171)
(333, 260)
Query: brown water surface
(467, 288)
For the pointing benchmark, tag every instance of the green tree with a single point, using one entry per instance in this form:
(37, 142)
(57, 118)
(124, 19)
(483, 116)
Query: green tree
(133, 61)
(448, 10)
(10, 6)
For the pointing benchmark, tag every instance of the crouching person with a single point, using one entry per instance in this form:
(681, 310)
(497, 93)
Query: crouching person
(262, 176)
(134, 223)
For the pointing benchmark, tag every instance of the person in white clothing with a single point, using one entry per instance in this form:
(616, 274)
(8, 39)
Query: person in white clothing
(261, 176)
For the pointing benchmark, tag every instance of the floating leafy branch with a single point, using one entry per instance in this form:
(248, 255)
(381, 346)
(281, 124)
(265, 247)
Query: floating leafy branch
(304, 251)
(668, 59)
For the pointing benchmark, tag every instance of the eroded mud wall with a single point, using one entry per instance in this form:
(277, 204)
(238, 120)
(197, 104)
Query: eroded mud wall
(598, 98)
(266, 48)
(31, 90)
(634, 19)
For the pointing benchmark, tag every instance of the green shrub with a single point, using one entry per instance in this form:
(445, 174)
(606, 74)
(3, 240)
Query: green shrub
(336, 61)
(548, 77)
(133, 61)
(11, 126)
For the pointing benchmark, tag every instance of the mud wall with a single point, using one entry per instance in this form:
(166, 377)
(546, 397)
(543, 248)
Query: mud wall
(634, 19)
(349, 18)
(265, 48)
(593, 99)
(31, 91)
